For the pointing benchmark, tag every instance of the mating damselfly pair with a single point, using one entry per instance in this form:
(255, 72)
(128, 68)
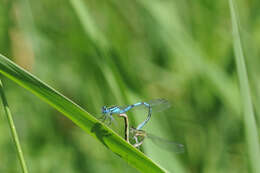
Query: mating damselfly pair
(137, 134)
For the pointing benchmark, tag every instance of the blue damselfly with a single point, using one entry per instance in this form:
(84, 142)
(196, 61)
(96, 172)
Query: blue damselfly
(152, 106)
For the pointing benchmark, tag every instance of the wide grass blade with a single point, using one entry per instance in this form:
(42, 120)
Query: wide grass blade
(249, 117)
(13, 129)
(79, 116)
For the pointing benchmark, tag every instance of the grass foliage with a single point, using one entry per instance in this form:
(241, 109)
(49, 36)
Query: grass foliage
(112, 52)
(79, 116)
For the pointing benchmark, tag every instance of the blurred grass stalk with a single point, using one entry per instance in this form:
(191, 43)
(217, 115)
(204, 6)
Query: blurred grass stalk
(13, 130)
(249, 117)
(100, 42)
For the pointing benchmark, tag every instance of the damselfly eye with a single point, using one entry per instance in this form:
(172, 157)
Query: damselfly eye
(104, 109)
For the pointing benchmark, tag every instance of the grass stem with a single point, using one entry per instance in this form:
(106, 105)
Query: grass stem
(249, 117)
(13, 130)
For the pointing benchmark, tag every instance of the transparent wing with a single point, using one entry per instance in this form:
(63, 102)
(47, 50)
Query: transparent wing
(166, 144)
(157, 105)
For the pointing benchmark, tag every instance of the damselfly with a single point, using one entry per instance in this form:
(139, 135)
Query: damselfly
(140, 135)
(152, 106)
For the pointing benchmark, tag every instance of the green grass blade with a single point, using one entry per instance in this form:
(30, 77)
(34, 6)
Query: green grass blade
(249, 117)
(79, 116)
(13, 130)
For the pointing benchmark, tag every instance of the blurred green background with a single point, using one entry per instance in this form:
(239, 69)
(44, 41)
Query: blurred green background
(120, 52)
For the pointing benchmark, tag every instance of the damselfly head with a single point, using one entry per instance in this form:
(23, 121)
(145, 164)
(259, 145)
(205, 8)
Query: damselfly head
(132, 130)
(104, 110)
(136, 132)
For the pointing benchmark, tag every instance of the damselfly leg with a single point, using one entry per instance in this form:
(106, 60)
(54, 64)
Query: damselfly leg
(107, 119)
